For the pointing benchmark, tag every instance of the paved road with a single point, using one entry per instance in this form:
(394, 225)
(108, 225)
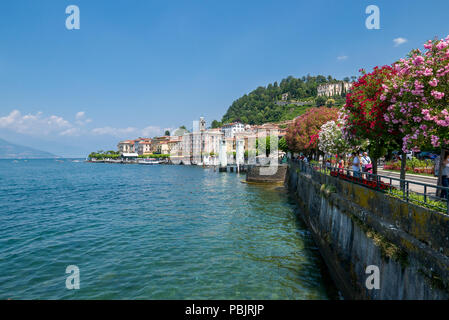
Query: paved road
(412, 177)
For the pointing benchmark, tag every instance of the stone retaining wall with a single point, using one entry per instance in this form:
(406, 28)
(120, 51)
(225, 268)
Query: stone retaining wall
(356, 227)
(266, 174)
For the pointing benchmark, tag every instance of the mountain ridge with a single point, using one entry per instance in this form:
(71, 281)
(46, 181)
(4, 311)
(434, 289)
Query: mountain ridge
(10, 150)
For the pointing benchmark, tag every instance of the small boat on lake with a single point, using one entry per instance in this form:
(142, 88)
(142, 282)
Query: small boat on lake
(148, 161)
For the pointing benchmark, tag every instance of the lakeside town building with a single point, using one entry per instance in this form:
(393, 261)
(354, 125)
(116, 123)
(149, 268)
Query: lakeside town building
(160, 145)
(175, 147)
(145, 147)
(202, 146)
(126, 146)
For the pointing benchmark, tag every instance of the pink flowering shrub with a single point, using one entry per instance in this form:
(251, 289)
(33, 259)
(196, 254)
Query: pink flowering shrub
(302, 136)
(418, 97)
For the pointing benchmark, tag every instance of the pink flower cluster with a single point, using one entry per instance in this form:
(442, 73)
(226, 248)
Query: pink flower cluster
(418, 97)
(437, 95)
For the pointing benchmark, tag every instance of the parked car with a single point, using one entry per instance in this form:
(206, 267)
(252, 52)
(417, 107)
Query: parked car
(427, 155)
(397, 155)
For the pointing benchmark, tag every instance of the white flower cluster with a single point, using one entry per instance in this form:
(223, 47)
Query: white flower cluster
(331, 140)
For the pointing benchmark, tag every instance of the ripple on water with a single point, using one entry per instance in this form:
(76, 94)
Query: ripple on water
(150, 232)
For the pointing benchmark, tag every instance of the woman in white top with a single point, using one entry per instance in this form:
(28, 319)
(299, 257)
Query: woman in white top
(365, 161)
(356, 165)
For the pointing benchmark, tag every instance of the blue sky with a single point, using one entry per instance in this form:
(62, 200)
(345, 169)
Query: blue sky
(137, 67)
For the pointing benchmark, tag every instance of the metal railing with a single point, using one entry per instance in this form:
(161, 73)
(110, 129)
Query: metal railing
(416, 192)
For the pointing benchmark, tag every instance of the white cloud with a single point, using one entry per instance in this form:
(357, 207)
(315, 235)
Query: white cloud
(81, 118)
(151, 131)
(128, 132)
(341, 58)
(116, 132)
(59, 122)
(38, 125)
(399, 41)
(33, 123)
(80, 115)
(71, 132)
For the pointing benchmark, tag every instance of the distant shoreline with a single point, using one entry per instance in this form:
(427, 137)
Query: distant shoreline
(55, 158)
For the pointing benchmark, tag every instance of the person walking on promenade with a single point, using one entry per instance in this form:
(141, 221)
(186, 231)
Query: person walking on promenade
(356, 165)
(341, 165)
(445, 177)
(367, 165)
(328, 162)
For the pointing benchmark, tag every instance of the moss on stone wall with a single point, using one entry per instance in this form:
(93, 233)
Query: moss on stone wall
(327, 189)
(388, 249)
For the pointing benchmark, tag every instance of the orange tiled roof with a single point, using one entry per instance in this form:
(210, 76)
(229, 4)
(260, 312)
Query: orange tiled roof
(127, 142)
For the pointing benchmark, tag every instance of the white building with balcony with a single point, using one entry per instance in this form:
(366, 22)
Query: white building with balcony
(126, 146)
(333, 89)
(230, 129)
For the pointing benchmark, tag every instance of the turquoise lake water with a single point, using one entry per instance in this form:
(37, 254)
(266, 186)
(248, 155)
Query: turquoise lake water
(151, 232)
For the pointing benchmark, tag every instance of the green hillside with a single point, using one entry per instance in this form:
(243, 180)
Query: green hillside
(265, 104)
